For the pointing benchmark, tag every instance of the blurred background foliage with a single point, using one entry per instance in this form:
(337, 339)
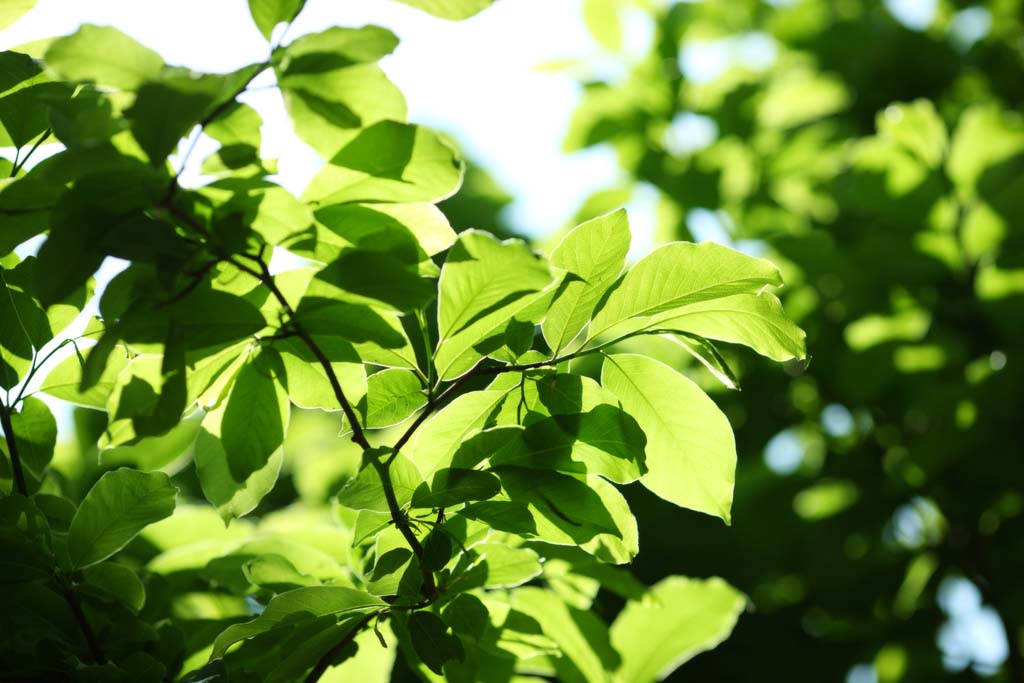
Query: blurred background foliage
(875, 151)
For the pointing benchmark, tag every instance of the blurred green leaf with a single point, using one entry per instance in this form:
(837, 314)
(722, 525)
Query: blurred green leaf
(104, 56)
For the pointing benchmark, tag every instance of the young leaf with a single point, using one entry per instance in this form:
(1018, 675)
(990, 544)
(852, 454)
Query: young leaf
(678, 619)
(120, 505)
(104, 56)
(678, 274)
(691, 453)
(593, 254)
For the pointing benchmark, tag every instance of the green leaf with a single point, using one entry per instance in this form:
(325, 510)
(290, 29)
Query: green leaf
(409, 232)
(916, 127)
(593, 254)
(65, 378)
(105, 56)
(679, 274)
(565, 510)
(11, 11)
(366, 491)
(118, 582)
(450, 9)
(484, 284)
(754, 320)
(25, 208)
(165, 111)
(295, 606)
(678, 619)
(508, 567)
(276, 572)
(587, 652)
(332, 89)
(691, 452)
(603, 21)
(232, 498)
(35, 433)
(256, 414)
(432, 641)
(707, 355)
(451, 486)
(436, 442)
(118, 506)
(576, 426)
(269, 13)
(308, 383)
(391, 397)
(388, 162)
(362, 276)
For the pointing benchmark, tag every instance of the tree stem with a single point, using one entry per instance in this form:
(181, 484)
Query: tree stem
(324, 662)
(83, 623)
(12, 450)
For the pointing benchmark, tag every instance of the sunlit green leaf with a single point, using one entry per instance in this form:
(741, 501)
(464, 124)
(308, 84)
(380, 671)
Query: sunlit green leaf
(255, 415)
(120, 505)
(269, 13)
(299, 604)
(680, 274)
(388, 162)
(691, 453)
(105, 56)
(392, 396)
(231, 497)
(754, 320)
(676, 620)
(593, 254)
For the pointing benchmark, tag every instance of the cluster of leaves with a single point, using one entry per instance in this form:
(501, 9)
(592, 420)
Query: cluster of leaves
(490, 411)
(879, 163)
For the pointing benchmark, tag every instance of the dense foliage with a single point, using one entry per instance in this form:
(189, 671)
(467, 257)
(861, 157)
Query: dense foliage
(490, 401)
(874, 150)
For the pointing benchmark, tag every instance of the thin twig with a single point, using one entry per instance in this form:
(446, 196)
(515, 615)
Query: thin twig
(18, 166)
(324, 662)
(83, 623)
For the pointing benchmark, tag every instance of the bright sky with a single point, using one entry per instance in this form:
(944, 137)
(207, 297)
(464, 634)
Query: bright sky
(475, 79)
